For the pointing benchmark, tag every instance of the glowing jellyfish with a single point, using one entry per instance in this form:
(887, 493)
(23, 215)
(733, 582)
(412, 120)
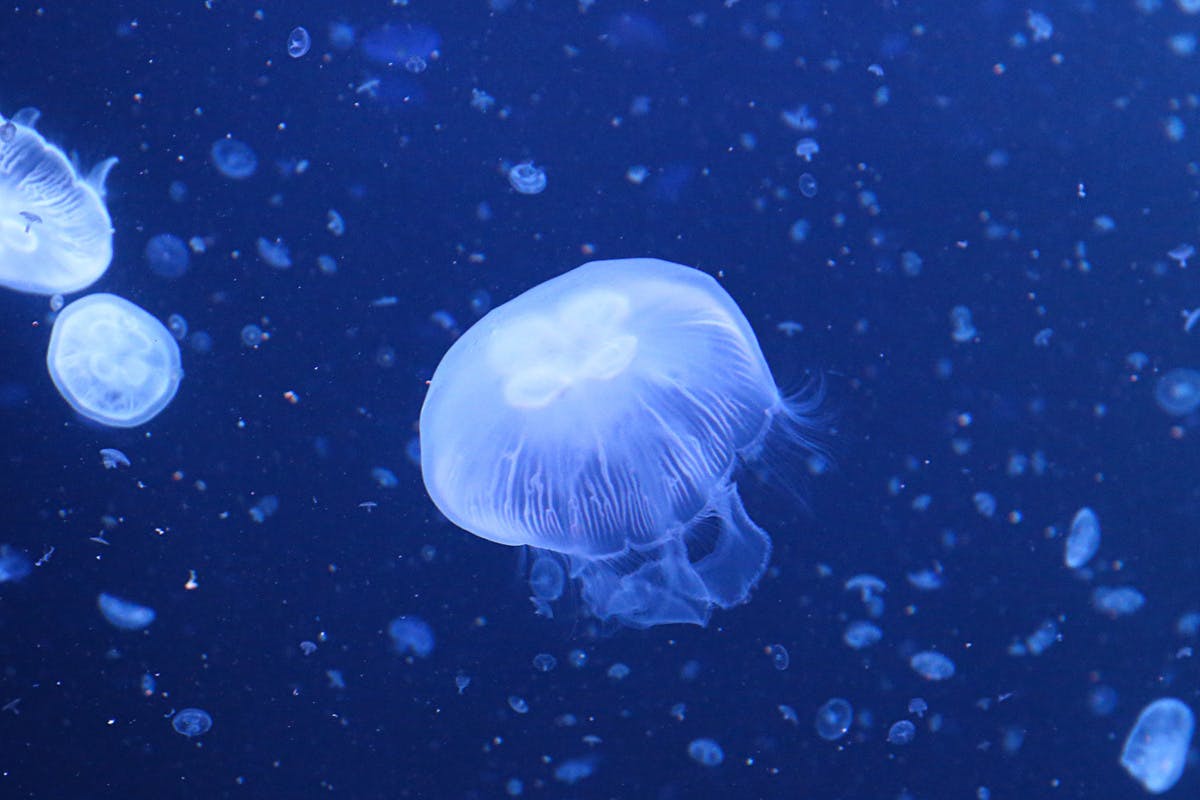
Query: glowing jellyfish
(55, 233)
(192, 722)
(601, 415)
(113, 362)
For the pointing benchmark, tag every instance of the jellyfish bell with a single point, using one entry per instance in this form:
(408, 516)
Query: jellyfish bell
(602, 416)
(55, 232)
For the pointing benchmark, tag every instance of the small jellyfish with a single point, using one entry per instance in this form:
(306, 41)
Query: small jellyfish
(546, 578)
(526, 178)
(308, 648)
(273, 252)
(1156, 749)
(112, 458)
(932, 665)
(55, 232)
(619, 671)
(166, 255)
(901, 732)
(1118, 601)
(860, 634)
(123, 614)
(544, 662)
(233, 159)
(112, 361)
(779, 656)
(706, 751)
(178, 327)
(191, 722)
(1178, 392)
(411, 635)
(808, 185)
(574, 770)
(518, 704)
(298, 42)
(14, 565)
(384, 478)
(918, 706)
(833, 719)
(334, 223)
(1084, 539)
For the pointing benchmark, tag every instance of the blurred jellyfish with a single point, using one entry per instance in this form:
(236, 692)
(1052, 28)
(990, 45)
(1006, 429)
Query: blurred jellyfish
(55, 232)
(233, 159)
(601, 415)
(527, 179)
(124, 614)
(13, 564)
(411, 635)
(113, 362)
(1178, 392)
(166, 255)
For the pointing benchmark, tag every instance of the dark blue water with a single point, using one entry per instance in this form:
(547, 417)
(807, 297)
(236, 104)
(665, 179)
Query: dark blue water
(1074, 128)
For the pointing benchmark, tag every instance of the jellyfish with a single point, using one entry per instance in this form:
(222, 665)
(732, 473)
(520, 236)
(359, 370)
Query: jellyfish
(55, 232)
(113, 362)
(602, 416)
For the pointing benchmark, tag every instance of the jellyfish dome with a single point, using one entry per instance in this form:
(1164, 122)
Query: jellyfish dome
(55, 232)
(112, 361)
(602, 415)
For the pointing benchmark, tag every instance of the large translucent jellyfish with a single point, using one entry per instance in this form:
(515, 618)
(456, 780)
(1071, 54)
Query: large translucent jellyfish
(602, 415)
(113, 362)
(55, 233)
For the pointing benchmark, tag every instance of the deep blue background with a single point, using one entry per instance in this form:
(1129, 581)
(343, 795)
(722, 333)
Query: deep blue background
(156, 87)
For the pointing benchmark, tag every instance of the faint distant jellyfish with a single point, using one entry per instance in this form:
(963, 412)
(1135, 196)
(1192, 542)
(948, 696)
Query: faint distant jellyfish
(191, 722)
(166, 255)
(527, 179)
(932, 665)
(273, 252)
(55, 232)
(112, 361)
(1155, 751)
(780, 658)
(112, 458)
(233, 159)
(411, 635)
(298, 42)
(1084, 539)
(13, 564)
(546, 578)
(601, 415)
(1178, 392)
(706, 751)
(861, 634)
(124, 614)
(901, 732)
(833, 719)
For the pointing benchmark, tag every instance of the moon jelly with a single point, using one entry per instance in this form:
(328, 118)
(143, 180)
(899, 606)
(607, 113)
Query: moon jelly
(113, 362)
(166, 255)
(602, 415)
(55, 233)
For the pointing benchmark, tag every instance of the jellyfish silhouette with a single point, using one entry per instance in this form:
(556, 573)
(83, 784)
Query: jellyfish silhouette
(55, 233)
(602, 415)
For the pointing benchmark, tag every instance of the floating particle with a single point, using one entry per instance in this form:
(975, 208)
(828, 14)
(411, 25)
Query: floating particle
(298, 42)
(1156, 749)
(191, 722)
(526, 178)
(932, 665)
(123, 614)
(1084, 539)
(706, 751)
(112, 458)
(833, 719)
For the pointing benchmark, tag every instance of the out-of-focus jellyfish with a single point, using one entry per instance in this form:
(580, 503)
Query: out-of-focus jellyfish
(411, 635)
(13, 564)
(398, 44)
(527, 179)
(233, 159)
(166, 255)
(113, 362)
(124, 614)
(55, 232)
(602, 415)
(298, 42)
(191, 722)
